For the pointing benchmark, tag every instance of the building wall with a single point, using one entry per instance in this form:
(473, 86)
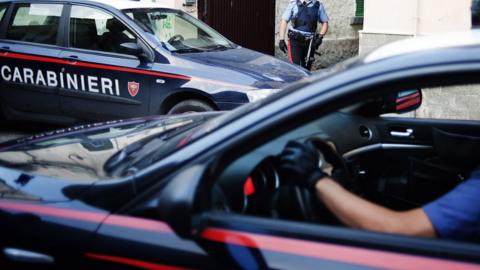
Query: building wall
(444, 16)
(390, 20)
(178, 4)
(192, 10)
(411, 18)
(341, 41)
(380, 19)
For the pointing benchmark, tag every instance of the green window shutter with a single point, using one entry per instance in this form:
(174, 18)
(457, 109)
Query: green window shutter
(360, 8)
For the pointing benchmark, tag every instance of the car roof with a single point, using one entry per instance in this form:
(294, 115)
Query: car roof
(119, 4)
(129, 4)
(424, 43)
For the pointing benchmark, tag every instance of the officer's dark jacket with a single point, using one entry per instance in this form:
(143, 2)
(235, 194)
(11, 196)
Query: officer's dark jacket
(307, 17)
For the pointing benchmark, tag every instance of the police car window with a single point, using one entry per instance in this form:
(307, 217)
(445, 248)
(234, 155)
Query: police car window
(178, 31)
(3, 8)
(35, 23)
(93, 29)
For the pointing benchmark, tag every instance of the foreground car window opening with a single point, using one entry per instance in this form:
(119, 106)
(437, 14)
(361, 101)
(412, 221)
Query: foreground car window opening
(396, 162)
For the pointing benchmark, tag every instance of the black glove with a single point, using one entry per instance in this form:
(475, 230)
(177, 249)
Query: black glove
(299, 163)
(317, 41)
(283, 46)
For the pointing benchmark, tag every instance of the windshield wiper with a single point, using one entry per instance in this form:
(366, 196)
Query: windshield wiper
(154, 152)
(122, 156)
(188, 50)
(218, 47)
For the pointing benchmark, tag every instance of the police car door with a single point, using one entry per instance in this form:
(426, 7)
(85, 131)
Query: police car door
(101, 80)
(29, 51)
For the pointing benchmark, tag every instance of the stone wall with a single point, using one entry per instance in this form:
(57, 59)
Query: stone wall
(420, 18)
(371, 41)
(459, 102)
(453, 102)
(341, 41)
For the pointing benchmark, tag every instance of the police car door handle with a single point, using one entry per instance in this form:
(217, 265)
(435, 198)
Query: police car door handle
(5, 49)
(71, 58)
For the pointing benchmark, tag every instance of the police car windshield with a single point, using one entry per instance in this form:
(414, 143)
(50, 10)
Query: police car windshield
(178, 31)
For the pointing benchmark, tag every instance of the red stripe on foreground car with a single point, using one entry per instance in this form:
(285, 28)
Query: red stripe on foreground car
(132, 262)
(323, 251)
(354, 255)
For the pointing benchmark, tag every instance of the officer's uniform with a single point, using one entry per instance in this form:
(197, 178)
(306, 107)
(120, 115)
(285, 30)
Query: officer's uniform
(456, 215)
(304, 15)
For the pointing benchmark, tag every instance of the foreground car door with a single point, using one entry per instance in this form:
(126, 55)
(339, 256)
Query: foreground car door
(101, 81)
(37, 234)
(137, 237)
(256, 243)
(124, 242)
(30, 74)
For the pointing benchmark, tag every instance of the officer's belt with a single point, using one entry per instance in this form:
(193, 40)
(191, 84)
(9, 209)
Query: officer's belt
(293, 35)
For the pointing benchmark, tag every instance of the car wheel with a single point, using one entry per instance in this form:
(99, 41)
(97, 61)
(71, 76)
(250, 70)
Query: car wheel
(191, 105)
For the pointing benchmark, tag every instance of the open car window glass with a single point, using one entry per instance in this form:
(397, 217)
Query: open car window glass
(35, 23)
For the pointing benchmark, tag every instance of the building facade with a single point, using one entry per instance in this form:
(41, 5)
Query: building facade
(390, 20)
(188, 6)
(386, 21)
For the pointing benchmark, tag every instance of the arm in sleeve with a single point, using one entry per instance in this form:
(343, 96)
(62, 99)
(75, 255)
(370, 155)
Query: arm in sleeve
(322, 15)
(288, 13)
(456, 215)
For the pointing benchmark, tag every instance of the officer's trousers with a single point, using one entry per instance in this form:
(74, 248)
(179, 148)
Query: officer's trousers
(297, 53)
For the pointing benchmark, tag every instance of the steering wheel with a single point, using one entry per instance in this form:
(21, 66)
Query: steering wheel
(176, 39)
(294, 202)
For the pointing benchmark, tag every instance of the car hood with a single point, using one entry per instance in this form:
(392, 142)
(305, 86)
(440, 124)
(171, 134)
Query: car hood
(43, 165)
(263, 71)
(15, 184)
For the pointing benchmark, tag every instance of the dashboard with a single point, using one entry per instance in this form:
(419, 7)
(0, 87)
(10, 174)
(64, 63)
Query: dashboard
(247, 185)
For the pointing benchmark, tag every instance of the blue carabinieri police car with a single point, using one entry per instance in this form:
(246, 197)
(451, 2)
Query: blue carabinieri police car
(70, 61)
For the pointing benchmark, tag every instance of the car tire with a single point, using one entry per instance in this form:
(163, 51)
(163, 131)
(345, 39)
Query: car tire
(191, 105)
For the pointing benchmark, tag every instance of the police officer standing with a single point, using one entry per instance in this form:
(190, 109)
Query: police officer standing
(302, 32)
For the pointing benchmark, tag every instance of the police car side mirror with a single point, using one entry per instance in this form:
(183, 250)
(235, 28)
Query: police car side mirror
(135, 49)
(177, 201)
(402, 101)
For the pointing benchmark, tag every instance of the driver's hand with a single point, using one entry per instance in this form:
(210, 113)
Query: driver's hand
(299, 163)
